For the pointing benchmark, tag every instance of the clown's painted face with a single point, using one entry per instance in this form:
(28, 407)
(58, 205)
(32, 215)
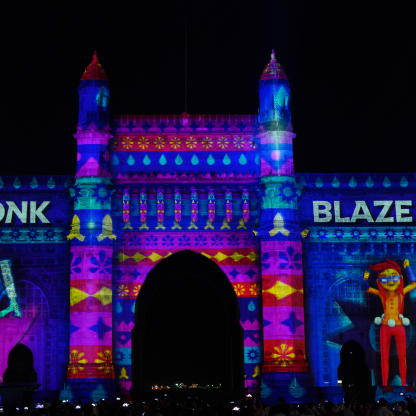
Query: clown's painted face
(389, 279)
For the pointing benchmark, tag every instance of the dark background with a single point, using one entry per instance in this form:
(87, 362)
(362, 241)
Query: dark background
(351, 65)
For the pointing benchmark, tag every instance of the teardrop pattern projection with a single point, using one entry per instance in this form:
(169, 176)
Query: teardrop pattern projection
(194, 160)
(130, 160)
(352, 183)
(242, 160)
(226, 160)
(178, 160)
(146, 160)
(319, 183)
(162, 160)
(369, 183)
(51, 183)
(335, 182)
(34, 183)
(17, 183)
(210, 160)
(233, 161)
(404, 182)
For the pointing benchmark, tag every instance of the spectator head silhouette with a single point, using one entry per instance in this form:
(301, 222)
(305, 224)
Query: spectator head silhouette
(20, 366)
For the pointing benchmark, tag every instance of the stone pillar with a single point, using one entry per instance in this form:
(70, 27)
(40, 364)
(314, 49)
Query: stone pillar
(90, 374)
(284, 369)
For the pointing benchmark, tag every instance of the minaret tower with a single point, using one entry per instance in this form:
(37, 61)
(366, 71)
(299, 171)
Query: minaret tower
(90, 373)
(284, 361)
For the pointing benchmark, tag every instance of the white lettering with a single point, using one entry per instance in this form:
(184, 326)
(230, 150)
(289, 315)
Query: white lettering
(322, 208)
(386, 206)
(28, 211)
(361, 212)
(322, 212)
(337, 212)
(37, 212)
(401, 211)
(21, 214)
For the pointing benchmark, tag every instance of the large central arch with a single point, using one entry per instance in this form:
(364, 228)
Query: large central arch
(187, 326)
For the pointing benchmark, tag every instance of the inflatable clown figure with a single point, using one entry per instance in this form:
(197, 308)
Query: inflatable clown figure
(391, 292)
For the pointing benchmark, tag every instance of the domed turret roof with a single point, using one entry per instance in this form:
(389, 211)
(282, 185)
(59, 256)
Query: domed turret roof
(94, 71)
(273, 70)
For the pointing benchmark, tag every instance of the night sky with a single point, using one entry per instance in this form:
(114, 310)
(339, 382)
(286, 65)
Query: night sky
(351, 66)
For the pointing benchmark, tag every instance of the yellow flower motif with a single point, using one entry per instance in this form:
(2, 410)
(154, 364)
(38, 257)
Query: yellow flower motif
(104, 361)
(206, 142)
(175, 142)
(223, 142)
(136, 289)
(254, 289)
(127, 142)
(122, 290)
(284, 354)
(76, 362)
(191, 142)
(238, 142)
(159, 142)
(143, 143)
(239, 289)
(252, 144)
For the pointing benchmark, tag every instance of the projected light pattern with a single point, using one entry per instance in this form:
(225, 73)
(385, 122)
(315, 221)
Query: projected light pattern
(33, 258)
(158, 219)
(235, 253)
(90, 372)
(274, 95)
(337, 257)
(280, 245)
(223, 187)
(7, 288)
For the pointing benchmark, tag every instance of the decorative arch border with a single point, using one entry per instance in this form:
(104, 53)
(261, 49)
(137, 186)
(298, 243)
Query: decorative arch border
(236, 253)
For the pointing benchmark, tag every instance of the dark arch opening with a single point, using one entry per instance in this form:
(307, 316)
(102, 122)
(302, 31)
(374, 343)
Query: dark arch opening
(355, 374)
(187, 326)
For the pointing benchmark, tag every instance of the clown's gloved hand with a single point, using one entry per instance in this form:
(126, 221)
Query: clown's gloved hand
(366, 282)
(405, 321)
(409, 271)
(378, 320)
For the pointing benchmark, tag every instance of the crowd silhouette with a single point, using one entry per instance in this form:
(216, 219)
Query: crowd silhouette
(20, 381)
(194, 404)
